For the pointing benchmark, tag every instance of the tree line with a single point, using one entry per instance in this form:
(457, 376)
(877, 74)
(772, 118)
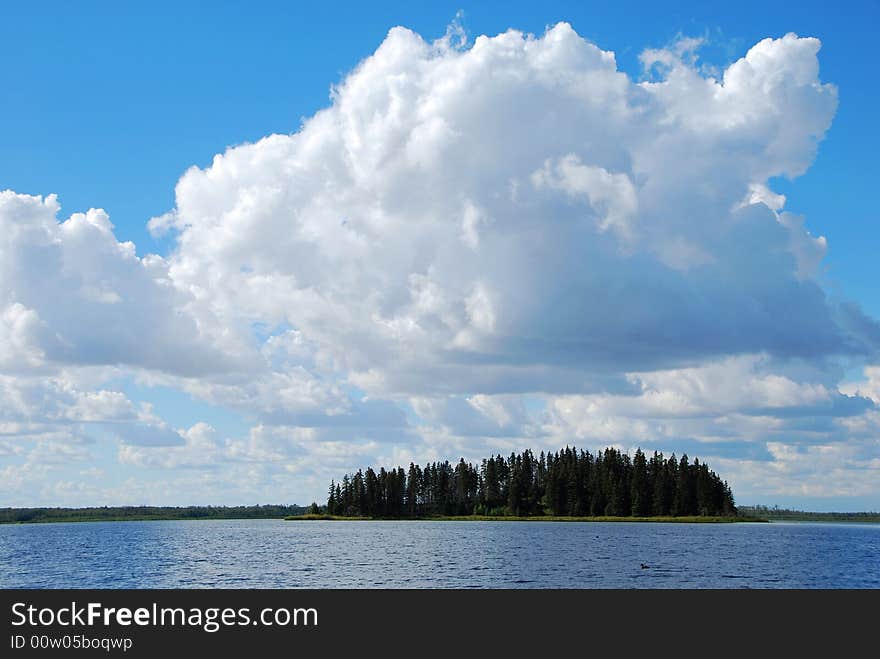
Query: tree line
(566, 483)
(132, 513)
(775, 512)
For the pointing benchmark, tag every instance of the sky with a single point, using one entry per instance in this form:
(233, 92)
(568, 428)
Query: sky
(247, 248)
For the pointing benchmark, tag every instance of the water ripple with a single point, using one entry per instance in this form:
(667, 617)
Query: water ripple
(275, 554)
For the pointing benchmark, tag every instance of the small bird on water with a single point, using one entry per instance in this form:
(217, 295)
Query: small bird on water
(645, 567)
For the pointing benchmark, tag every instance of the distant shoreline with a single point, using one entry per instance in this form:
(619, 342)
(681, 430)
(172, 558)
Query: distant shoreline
(87, 515)
(307, 517)
(299, 513)
(787, 515)
(144, 513)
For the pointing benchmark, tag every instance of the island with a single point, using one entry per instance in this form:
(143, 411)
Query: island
(568, 485)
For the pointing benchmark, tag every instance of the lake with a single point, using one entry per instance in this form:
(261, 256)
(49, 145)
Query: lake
(416, 554)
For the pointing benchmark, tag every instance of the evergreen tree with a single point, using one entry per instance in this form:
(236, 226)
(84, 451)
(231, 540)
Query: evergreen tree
(640, 494)
(413, 486)
(568, 482)
(331, 500)
(685, 491)
(492, 485)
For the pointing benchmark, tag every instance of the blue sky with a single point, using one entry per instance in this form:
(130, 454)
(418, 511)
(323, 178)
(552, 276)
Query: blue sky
(108, 105)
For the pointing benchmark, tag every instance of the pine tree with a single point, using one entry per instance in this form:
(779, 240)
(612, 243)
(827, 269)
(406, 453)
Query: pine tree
(413, 486)
(569, 482)
(639, 493)
(492, 486)
(331, 500)
(371, 492)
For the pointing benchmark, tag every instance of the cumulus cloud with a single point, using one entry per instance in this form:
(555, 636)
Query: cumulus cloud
(838, 470)
(748, 397)
(197, 450)
(55, 399)
(512, 243)
(523, 203)
(479, 415)
(869, 387)
(76, 296)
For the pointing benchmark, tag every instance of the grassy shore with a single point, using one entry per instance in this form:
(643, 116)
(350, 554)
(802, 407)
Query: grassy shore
(545, 518)
(292, 513)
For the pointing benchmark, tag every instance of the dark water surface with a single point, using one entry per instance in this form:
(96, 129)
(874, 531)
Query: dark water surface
(316, 554)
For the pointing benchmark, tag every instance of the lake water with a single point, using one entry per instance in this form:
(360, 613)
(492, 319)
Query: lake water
(277, 554)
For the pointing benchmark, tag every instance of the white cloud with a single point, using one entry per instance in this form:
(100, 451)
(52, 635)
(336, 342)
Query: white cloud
(836, 470)
(473, 248)
(19, 327)
(60, 399)
(612, 196)
(870, 387)
(744, 397)
(74, 296)
(479, 415)
(522, 204)
(197, 449)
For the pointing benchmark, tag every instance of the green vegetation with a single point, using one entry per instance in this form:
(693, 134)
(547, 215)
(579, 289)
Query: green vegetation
(322, 516)
(567, 484)
(784, 514)
(541, 518)
(141, 513)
